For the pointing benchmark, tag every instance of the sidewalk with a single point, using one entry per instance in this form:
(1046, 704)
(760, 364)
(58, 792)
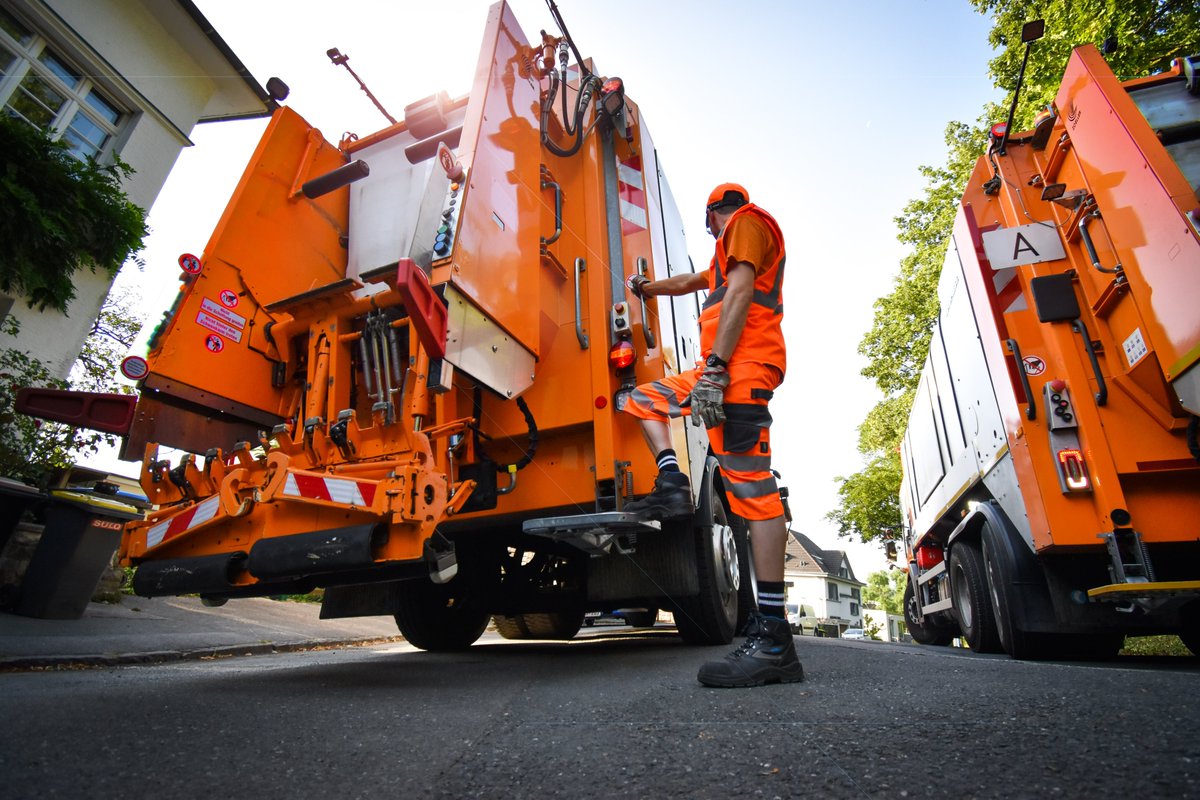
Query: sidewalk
(143, 630)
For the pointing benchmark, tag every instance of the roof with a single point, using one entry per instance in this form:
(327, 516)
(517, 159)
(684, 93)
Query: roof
(803, 555)
(262, 105)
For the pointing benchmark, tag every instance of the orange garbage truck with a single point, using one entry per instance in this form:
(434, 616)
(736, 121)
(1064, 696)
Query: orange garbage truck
(1051, 490)
(396, 372)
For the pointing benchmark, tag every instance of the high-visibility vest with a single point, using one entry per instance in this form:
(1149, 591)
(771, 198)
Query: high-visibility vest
(762, 338)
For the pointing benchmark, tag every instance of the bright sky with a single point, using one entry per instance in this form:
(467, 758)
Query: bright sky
(824, 111)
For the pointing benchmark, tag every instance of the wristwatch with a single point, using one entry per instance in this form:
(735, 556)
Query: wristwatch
(714, 360)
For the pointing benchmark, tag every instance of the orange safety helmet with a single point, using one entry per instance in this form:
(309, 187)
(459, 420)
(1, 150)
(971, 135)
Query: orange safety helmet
(726, 194)
(721, 196)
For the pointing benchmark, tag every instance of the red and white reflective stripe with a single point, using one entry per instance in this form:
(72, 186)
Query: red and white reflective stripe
(1008, 291)
(631, 193)
(333, 490)
(194, 517)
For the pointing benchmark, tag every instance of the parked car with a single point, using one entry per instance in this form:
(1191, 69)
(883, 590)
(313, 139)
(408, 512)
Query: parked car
(853, 633)
(794, 615)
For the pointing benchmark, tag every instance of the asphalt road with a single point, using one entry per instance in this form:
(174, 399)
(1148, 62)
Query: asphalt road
(615, 713)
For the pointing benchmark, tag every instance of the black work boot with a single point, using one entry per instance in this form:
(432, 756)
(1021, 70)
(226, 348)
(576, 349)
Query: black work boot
(767, 656)
(671, 498)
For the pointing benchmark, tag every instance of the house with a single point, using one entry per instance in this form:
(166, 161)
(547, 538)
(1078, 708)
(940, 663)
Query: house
(821, 583)
(890, 627)
(114, 77)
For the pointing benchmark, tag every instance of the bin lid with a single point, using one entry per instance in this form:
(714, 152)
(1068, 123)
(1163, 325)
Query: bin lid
(99, 505)
(15, 488)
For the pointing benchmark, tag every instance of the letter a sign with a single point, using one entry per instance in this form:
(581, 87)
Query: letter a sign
(1026, 244)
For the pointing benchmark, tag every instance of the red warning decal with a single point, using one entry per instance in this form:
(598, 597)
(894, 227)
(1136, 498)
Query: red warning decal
(229, 298)
(190, 264)
(1034, 365)
(214, 343)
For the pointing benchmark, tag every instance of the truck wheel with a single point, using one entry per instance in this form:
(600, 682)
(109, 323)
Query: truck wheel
(437, 618)
(561, 625)
(1000, 565)
(972, 603)
(927, 633)
(641, 619)
(724, 567)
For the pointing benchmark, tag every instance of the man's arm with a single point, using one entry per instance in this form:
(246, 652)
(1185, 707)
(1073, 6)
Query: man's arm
(739, 291)
(683, 283)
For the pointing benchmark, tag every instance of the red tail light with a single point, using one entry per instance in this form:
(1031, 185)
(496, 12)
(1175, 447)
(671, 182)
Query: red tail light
(622, 354)
(1073, 469)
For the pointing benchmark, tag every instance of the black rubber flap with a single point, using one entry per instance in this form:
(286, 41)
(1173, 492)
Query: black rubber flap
(320, 551)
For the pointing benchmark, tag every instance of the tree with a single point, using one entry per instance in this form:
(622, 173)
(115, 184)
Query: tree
(885, 591)
(30, 449)
(59, 213)
(1141, 36)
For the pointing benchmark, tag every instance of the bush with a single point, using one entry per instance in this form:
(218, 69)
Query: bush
(59, 213)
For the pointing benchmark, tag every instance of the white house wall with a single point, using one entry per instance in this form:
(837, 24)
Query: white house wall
(168, 75)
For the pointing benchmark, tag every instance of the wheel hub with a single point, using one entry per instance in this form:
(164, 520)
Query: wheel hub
(726, 547)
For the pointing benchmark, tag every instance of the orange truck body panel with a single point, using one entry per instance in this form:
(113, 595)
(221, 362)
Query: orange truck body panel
(1107, 262)
(259, 370)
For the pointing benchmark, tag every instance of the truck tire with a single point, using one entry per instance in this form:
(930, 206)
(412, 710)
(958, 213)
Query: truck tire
(972, 600)
(724, 567)
(559, 625)
(1000, 565)
(439, 618)
(927, 632)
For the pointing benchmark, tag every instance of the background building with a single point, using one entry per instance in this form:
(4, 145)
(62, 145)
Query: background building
(113, 77)
(822, 584)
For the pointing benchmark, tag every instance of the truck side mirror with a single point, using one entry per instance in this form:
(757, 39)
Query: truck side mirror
(889, 550)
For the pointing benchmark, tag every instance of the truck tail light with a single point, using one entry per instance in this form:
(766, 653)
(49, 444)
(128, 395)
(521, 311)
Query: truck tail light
(1073, 470)
(622, 354)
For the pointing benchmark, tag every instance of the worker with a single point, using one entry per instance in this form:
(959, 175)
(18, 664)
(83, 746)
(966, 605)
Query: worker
(744, 359)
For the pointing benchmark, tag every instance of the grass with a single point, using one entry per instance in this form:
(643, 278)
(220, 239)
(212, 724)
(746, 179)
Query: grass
(1154, 646)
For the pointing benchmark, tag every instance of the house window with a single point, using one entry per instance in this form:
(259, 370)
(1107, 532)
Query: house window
(41, 87)
(854, 593)
(832, 591)
(854, 609)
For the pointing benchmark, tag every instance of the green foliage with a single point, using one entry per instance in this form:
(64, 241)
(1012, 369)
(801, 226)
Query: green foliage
(30, 449)
(1147, 34)
(57, 214)
(885, 591)
(1154, 646)
(872, 630)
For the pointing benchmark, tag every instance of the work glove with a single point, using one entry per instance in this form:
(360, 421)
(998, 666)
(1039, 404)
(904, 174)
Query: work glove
(635, 283)
(708, 397)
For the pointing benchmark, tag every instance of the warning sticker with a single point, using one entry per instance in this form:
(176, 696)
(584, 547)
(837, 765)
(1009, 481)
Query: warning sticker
(1034, 365)
(217, 326)
(222, 313)
(229, 298)
(214, 343)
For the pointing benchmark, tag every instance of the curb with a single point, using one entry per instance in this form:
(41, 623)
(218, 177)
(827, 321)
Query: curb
(95, 661)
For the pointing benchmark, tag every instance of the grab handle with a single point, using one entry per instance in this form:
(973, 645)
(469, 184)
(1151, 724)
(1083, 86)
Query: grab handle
(651, 341)
(1091, 248)
(580, 266)
(549, 184)
(1101, 387)
(1031, 409)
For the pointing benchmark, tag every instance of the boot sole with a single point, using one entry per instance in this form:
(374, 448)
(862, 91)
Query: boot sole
(747, 681)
